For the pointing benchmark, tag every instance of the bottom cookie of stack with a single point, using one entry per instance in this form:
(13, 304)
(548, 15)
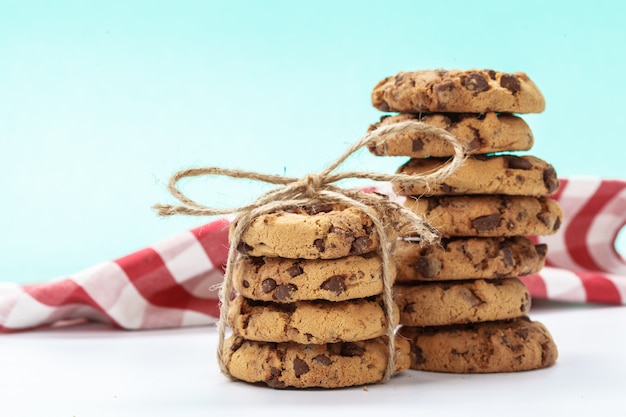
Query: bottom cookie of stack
(487, 347)
(330, 365)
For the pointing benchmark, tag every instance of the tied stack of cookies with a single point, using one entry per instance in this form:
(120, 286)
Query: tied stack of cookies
(309, 308)
(462, 307)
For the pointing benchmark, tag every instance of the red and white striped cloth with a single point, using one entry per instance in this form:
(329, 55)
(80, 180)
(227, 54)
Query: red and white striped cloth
(173, 283)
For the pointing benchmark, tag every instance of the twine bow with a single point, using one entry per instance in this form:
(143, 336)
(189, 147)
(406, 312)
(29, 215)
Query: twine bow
(320, 188)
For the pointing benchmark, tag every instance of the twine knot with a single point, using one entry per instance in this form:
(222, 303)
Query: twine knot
(319, 188)
(314, 182)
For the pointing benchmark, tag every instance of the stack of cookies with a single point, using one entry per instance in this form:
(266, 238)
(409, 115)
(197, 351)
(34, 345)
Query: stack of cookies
(308, 309)
(462, 306)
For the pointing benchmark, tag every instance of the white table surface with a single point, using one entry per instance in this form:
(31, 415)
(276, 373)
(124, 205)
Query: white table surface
(94, 370)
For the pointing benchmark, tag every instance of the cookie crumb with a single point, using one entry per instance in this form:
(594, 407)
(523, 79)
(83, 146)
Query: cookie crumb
(365, 388)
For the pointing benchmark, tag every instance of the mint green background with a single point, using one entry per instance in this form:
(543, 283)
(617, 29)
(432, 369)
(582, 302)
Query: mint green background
(100, 102)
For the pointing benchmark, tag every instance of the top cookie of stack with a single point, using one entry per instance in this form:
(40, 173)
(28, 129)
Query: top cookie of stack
(458, 91)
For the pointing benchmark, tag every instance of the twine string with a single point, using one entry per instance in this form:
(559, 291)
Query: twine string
(320, 188)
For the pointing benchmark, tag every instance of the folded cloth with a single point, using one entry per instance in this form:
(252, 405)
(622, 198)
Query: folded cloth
(583, 263)
(175, 282)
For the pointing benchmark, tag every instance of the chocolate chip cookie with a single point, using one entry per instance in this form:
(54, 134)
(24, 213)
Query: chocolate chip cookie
(480, 133)
(322, 231)
(482, 174)
(458, 91)
(467, 258)
(286, 280)
(455, 302)
(500, 346)
(304, 322)
(330, 365)
(489, 215)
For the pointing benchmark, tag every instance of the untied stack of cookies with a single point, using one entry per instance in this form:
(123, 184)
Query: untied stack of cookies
(309, 310)
(462, 307)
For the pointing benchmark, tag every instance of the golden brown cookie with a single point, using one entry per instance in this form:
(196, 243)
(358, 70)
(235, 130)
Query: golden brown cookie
(502, 346)
(482, 174)
(458, 91)
(286, 280)
(489, 216)
(467, 258)
(477, 133)
(330, 365)
(455, 302)
(322, 231)
(304, 322)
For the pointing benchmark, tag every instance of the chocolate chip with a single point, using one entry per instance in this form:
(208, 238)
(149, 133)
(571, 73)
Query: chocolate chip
(361, 245)
(445, 285)
(418, 354)
(409, 308)
(257, 261)
(351, 349)
(244, 248)
(300, 367)
(323, 360)
(515, 162)
(482, 265)
(417, 145)
(525, 303)
(245, 284)
(268, 285)
(473, 145)
(481, 157)
(545, 354)
(472, 298)
(445, 188)
(510, 82)
(550, 179)
(433, 203)
(319, 208)
(507, 256)
(335, 284)
(541, 249)
(384, 106)
(522, 332)
(444, 92)
(273, 380)
(319, 245)
(428, 267)
(378, 151)
(545, 218)
(444, 86)
(295, 270)
(476, 82)
(486, 223)
(557, 224)
(238, 342)
(284, 292)
(491, 73)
